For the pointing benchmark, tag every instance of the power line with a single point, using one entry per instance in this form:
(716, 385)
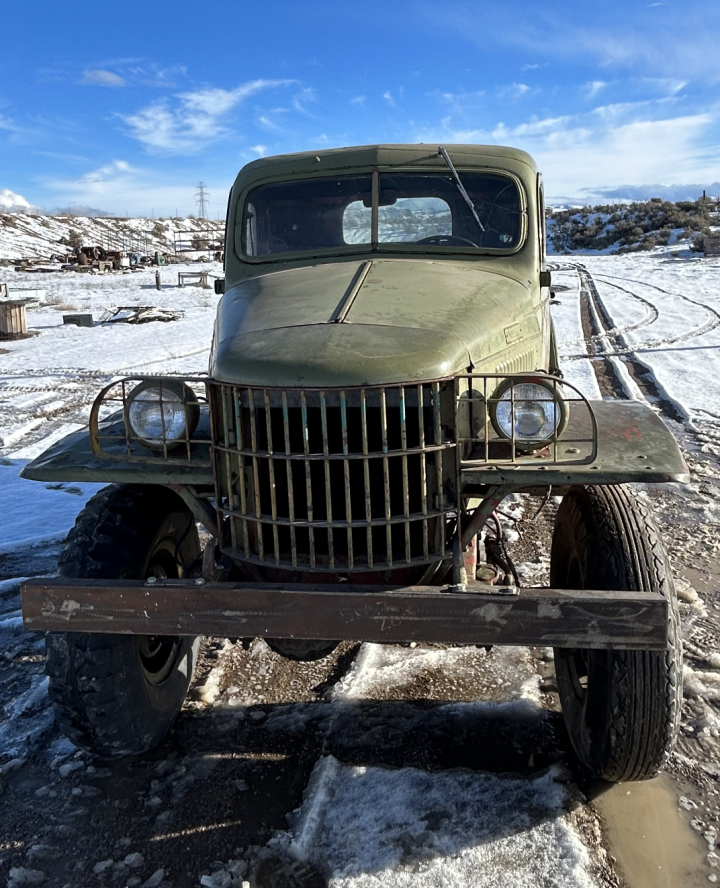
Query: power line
(201, 199)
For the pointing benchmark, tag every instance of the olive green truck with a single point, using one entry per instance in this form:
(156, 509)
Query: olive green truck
(383, 373)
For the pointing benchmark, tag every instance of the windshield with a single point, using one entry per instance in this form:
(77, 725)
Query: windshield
(410, 208)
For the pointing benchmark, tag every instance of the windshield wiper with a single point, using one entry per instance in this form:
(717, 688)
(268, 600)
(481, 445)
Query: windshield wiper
(461, 188)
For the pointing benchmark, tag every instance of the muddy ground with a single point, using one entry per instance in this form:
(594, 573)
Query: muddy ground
(238, 760)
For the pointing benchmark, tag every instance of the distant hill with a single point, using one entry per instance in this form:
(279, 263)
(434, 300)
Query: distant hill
(666, 192)
(27, 236)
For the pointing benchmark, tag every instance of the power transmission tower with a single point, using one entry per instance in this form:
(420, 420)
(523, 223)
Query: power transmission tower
(201, 199)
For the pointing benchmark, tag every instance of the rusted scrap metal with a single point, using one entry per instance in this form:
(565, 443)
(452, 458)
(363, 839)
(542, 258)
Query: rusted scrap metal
(139, 314)
(547, 617)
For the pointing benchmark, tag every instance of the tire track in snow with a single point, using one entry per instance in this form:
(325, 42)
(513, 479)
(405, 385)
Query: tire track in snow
(710, 324)
(617, 332)
(635, 378)
(650, 318)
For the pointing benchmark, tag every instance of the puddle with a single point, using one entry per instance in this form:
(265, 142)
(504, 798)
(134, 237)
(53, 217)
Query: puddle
(653, 844)
(704, 581)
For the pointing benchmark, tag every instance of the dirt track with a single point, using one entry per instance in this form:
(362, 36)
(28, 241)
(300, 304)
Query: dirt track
(239, 759)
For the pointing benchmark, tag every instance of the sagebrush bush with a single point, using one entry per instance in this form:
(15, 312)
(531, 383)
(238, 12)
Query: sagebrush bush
(635, 226)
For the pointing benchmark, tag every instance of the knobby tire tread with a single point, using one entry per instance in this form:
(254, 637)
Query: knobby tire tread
(86, 674)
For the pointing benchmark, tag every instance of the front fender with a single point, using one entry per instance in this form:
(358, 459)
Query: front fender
(107, 451)
(72, 459)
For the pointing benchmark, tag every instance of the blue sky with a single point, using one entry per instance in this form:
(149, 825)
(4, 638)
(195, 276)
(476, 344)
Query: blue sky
(126, 107)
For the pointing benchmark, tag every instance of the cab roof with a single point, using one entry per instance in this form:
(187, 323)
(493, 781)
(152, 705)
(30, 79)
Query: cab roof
(364, 157)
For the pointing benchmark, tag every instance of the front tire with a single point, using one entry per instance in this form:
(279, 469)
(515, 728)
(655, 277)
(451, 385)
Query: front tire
(120, 694)
(621, 708)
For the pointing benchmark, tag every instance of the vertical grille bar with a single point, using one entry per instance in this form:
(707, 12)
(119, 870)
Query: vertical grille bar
(486, 430)
(346, 472)
(437, 434)
(256, 474)
(237, 409)
(423, 469)
(308, 478)
(406, 491)
(288, 469)
(129, 435)
(386, 475)
(403, 481)
(224, 394)
(366, 474)
(328, 489)
(556, 420)
(186, 411)
(271, 467)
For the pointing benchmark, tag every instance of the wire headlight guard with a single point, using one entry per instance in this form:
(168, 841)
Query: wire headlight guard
(162, 413)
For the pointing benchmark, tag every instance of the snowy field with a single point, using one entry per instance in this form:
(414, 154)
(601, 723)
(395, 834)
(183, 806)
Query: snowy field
(363, 820)
(28, 235)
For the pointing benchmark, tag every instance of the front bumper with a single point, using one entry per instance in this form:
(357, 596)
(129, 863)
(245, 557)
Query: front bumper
(479, 615)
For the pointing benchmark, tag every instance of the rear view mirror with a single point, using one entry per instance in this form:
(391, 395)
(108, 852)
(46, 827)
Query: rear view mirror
(387, 197)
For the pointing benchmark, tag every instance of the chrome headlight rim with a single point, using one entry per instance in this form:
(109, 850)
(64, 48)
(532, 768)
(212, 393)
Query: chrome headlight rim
(551, 385)
(173, 392)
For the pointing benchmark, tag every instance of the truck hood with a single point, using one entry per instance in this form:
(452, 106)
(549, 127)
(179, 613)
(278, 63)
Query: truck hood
(360, 323)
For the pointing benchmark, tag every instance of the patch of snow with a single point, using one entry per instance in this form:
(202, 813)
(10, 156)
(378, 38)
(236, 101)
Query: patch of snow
(568, 329)
(36, 514)
(372, 826)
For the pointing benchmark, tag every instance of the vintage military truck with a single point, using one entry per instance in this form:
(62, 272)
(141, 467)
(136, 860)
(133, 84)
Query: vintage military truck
(383, 373)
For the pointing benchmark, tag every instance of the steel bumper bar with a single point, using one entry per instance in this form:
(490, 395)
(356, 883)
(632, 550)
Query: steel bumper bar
(479, 615)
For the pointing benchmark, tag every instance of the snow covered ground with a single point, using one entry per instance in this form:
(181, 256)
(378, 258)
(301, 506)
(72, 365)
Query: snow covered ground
(363, 824)
(669, 313)
(29, 236)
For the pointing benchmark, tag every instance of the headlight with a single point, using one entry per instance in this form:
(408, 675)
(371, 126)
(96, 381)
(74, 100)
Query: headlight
(534, 412)
(162, 413)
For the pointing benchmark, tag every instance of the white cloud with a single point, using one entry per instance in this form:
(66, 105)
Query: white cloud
(195, 120)
(461, 103)
(625, 145)
(594, 87)
(684, 47)
(359, 100)
(260, 150)
(9, 125)
(666, 85)
(303, 98)
(11, 200)
(514, 91)
(268, 124)
(99, 77)
(388, 96)
(120, 187)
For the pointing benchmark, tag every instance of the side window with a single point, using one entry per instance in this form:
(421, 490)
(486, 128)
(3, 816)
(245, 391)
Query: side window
(542, 223)
(357, 220)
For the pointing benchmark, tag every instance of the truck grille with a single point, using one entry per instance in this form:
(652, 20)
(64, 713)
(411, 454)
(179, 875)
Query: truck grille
(335, 480)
